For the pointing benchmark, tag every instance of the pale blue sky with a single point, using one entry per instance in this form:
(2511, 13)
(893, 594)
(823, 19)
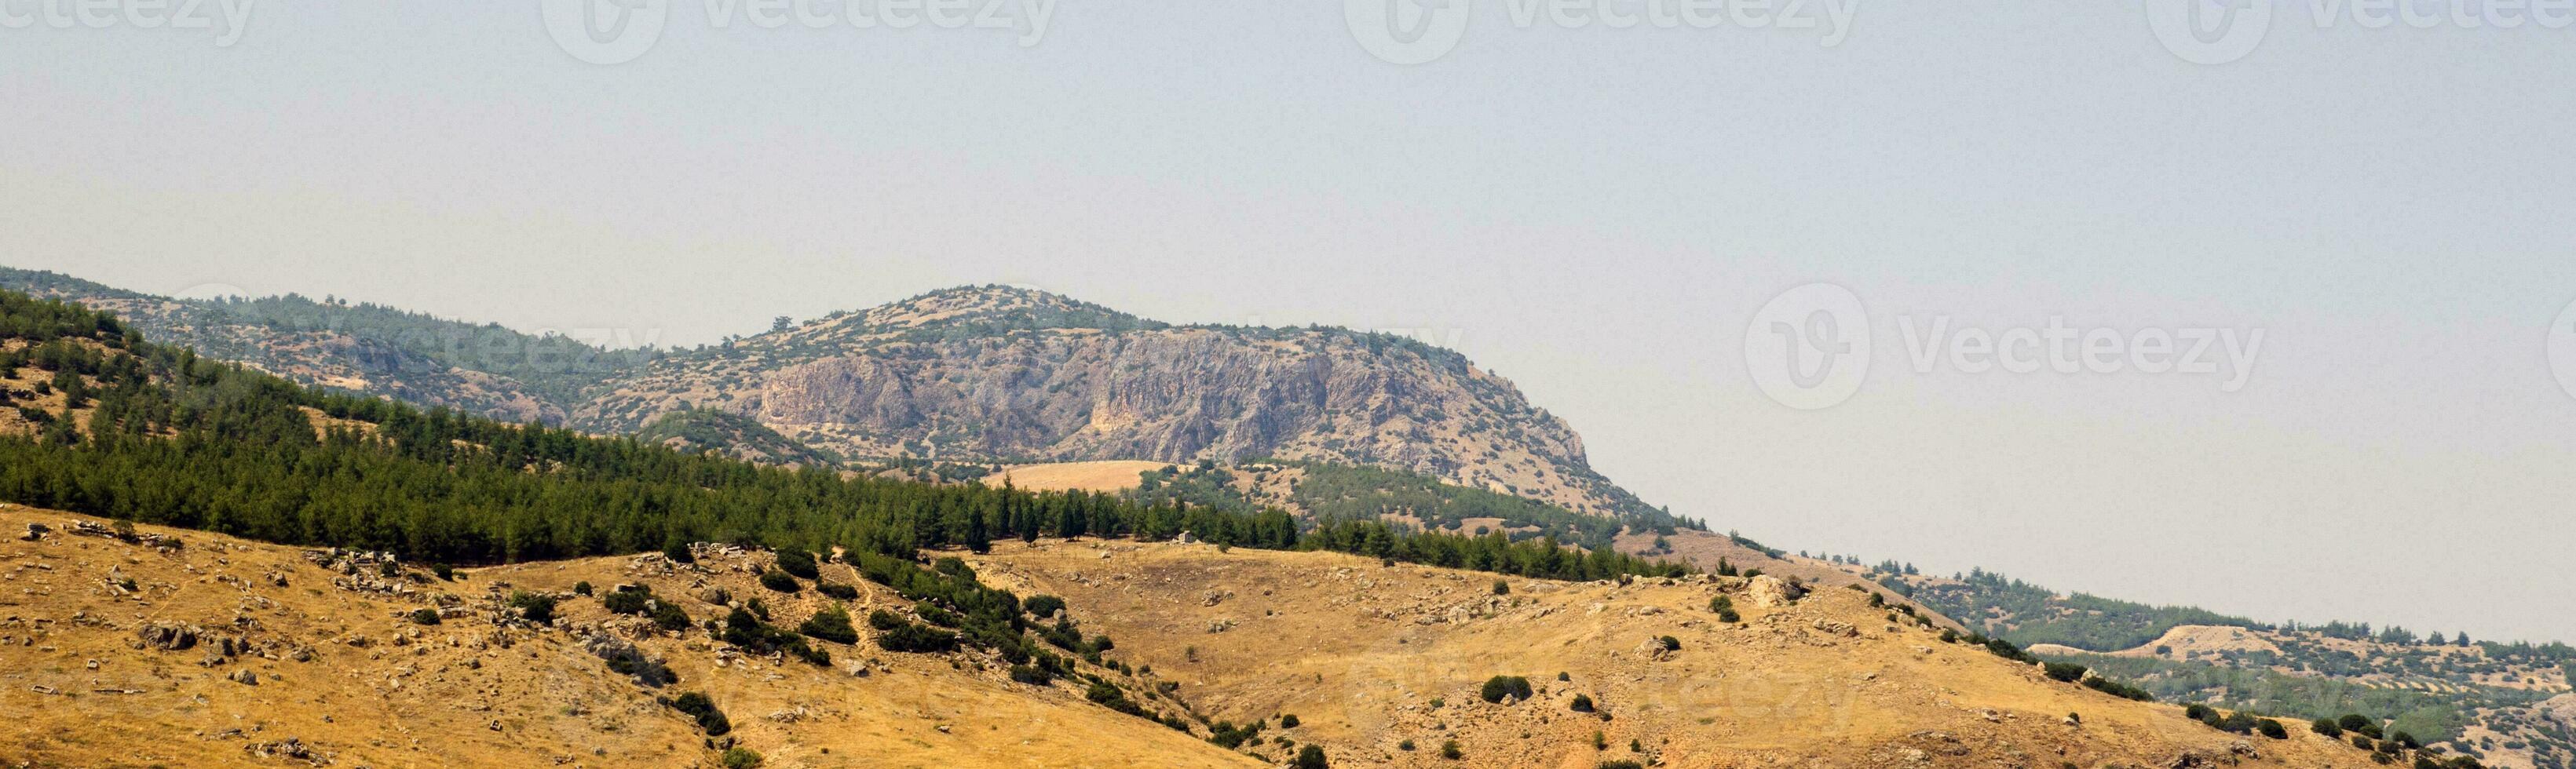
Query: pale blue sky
(1595, 213)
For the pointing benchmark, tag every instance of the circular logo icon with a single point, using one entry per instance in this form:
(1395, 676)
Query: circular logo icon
(2210, 31)
(1809, 347)
(1407, 31)
(606, 31)
(2562, 349)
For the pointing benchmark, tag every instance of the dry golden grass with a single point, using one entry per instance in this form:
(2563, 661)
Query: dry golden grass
(1369, 656)
(470, 692)
(1107, 475)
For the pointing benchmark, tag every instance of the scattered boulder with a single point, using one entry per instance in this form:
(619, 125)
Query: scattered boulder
(1772, 592)
(245, 677)
(36, 531)
(167, 636)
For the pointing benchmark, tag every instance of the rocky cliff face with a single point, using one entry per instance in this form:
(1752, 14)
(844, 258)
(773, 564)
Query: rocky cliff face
(1000, 374)
(983, 374)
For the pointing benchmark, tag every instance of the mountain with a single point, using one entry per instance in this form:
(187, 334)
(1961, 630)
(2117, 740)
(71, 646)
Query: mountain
(985, 374)
(481, 369)
(1004, 374)
(732, 435)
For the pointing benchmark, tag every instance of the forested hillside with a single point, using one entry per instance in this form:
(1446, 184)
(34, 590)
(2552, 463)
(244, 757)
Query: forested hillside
(158, 434)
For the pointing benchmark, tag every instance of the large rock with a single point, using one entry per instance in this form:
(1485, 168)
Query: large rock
(167, 636)
(1772, 592)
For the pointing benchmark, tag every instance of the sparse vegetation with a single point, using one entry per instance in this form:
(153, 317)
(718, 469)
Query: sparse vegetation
(1499, 687)
(697, 707)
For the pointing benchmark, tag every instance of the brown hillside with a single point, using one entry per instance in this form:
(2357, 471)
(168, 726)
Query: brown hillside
(1370, 656)
(341, 676)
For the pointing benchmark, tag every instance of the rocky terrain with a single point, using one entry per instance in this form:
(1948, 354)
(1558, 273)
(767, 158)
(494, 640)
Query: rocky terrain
(181, 648)
(144, 645)
(1385, 665)
(986, 374)
(996, 373)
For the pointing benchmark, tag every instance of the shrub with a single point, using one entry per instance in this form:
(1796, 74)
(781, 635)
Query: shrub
(697, 706)
(1406, 746)
(2117, 689)
(1498, 687)
(831, 624)
(444, 571)
(799, 563)
(1449, 750)
(668, 616)
(837, 590)
(539, 609)
(909, 637)
(424, 616)
(678, 552)
(1725, 609)
(2239, 722)
(1031, 675)
(581, 588)
(779, 581)
(636, 602)
(2327, 727)
(2363, 743)
(1310, 757)
(740, 758)
(1670, 643)
(2065, 671)
(1502, 588)
(1600, 742)
(1288, 721)
(1582, 703)
(1042, 606)
(2270, 728)
(1621, 765)
(2196, 712)
(2354, 721)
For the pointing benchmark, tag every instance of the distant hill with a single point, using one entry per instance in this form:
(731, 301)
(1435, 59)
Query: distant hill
(732, 435)
(974, 375)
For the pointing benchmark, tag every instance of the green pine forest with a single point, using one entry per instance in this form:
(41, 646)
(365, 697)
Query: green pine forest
(180, 440)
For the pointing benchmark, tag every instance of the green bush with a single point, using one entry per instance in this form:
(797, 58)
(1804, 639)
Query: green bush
(2270, 728)
(1288, 721)
(740, 758)
(1621, 765)
(2118, 689)
(1725, 609)
(703, 710)
(799, 563)
(779, 581)
(1498, 687)
(2066, 671)
(1042, 606)
(581, 588)
(1449, 750)
(917, 639)
(670, 617)
(1502, 588)
(2327, 727)
(837, 590)
(539, 609)
(1670, 643)
(831, 624)
(1582, 703)
(1310, 757)
(636, 602)
(424, 616)
(1406, 746)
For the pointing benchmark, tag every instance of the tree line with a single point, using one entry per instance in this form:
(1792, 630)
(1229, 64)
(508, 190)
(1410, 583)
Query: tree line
(179, 440)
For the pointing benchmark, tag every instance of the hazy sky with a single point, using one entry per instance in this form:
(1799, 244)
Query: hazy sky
(1596, 213)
